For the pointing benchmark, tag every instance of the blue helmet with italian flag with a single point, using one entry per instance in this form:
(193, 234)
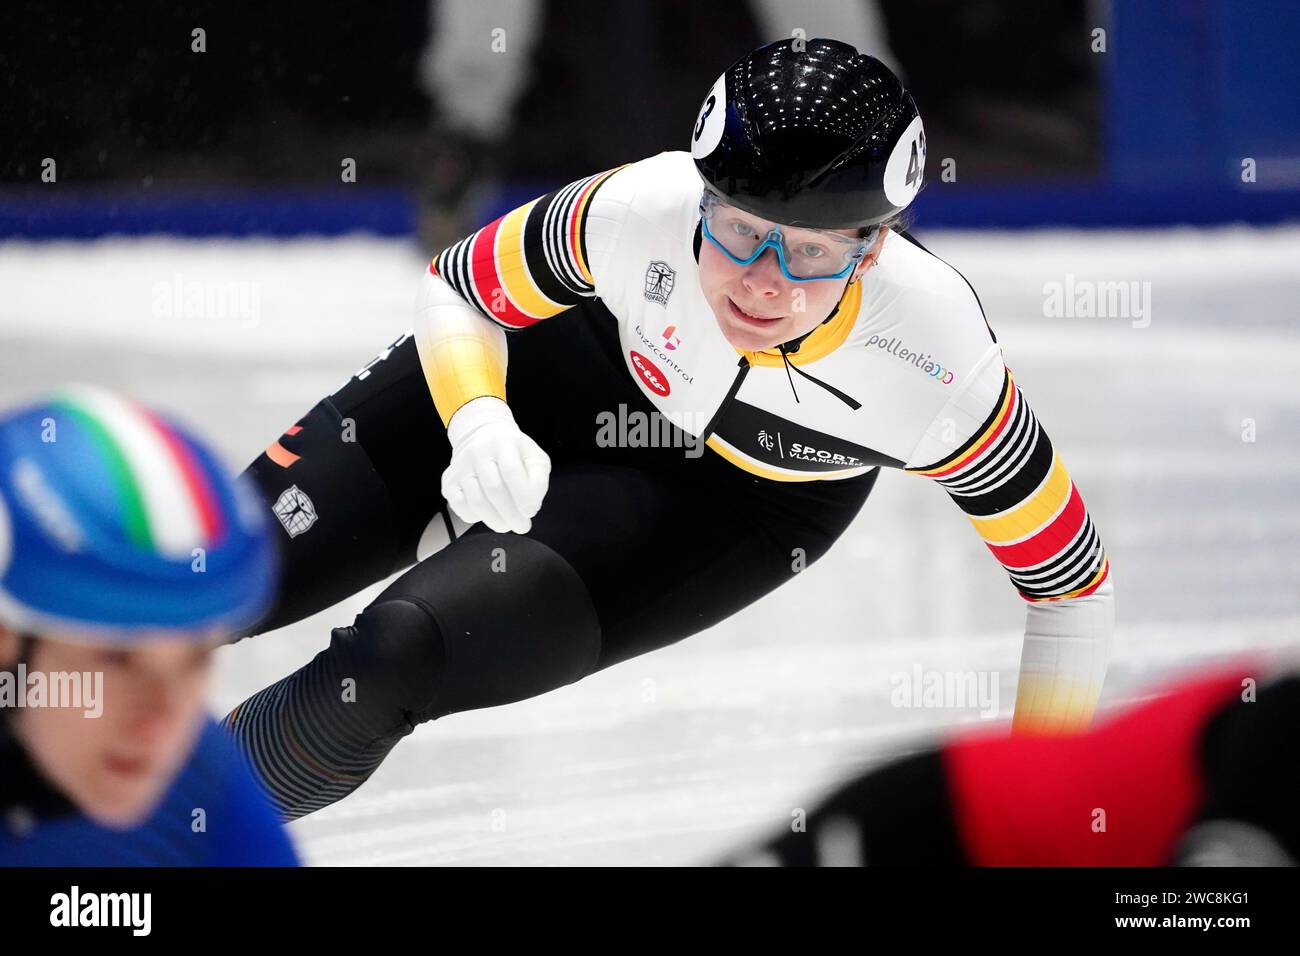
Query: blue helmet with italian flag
(117, 524)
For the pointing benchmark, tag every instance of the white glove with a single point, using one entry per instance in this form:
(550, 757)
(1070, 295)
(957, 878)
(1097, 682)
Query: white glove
(498, 475)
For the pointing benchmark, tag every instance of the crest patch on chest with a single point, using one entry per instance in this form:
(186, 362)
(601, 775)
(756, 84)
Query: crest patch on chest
(659, 280)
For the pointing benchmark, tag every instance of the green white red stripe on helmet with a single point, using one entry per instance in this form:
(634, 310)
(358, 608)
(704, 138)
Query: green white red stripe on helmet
(103, 510)
(164, 501)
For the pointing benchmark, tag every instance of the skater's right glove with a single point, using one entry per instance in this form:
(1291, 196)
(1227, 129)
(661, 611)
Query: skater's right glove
(498, 475)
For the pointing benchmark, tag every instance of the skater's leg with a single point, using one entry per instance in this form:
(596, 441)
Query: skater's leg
(354, 485)
(618, 562)
(492, 619)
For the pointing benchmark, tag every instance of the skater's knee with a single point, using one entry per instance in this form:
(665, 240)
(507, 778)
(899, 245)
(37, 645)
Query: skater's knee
(389, 660)
(501, 618)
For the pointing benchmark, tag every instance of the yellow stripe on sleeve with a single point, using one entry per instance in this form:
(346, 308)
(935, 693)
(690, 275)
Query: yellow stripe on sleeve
(464, 364)
(512, 266)
(1031, 514)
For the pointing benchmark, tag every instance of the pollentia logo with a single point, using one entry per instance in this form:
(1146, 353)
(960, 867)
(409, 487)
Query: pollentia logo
(924, 361)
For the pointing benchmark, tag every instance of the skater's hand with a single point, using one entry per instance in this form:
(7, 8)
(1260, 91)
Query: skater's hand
(498, 475)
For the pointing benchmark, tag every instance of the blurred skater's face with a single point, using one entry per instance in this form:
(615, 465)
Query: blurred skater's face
(756, 306)
(116, 766)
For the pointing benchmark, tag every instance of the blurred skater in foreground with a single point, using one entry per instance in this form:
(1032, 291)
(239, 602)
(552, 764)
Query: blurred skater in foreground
(1204, 774)
(126, 555)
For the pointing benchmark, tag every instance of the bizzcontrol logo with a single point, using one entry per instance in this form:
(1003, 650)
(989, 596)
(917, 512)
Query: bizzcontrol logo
(671, 340)
(654, 379)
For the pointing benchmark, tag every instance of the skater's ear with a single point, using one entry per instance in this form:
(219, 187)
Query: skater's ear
(8, 646)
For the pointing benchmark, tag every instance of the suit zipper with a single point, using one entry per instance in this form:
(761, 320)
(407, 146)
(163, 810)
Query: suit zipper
(744, 367)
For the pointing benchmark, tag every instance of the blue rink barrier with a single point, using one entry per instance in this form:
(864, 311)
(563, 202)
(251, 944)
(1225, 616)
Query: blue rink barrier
(64, 212)
(392, 213)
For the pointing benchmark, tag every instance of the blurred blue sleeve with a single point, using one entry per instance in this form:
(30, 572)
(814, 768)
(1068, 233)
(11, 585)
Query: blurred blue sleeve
(244, 828)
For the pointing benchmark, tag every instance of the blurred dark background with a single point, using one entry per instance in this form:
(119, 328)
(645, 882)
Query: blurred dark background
(455, 109)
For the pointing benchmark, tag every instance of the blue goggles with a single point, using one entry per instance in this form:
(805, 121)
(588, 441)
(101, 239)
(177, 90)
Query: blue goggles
(805, 255)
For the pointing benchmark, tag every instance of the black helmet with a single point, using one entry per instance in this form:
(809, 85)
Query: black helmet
(811, 133)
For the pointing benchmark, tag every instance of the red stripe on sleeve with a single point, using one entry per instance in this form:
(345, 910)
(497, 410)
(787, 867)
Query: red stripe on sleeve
(483, 263)
(575, 249)
(1048, 541)
(487, 279)
(978, 451)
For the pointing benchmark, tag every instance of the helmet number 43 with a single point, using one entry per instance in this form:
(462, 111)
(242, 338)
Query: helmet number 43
(916, 163)
(709, 104)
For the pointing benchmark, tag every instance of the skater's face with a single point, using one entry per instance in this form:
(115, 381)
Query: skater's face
(131, 728)
(757, 307)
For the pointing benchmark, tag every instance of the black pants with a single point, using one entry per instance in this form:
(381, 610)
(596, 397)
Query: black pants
(633, 548)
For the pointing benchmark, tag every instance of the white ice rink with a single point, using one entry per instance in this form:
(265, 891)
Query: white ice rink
(669, 758)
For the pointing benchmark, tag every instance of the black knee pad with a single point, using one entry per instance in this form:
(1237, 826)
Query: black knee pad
(383, 669)
(490, 620)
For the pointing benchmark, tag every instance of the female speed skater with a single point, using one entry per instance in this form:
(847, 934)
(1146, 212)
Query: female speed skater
(712, 355)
